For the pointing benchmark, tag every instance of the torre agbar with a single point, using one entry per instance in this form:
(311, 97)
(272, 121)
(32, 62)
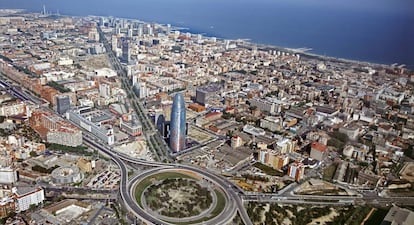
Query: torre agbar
(177, 124)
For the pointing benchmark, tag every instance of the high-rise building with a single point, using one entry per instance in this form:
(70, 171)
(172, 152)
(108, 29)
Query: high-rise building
(126, 51)
(160, 122)
(168, 31)
(62, 103)
(285, 146)
(141, 90)
(135, 79)
(178, 124)
(140, 30)
(296, 170)
(114, 42)
(150, 30)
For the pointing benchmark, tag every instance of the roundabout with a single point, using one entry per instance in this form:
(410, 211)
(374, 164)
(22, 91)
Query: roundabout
(178, 196)
(230, 204)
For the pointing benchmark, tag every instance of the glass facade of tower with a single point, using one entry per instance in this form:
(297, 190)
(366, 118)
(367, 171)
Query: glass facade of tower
(62, 104)
(178, 124)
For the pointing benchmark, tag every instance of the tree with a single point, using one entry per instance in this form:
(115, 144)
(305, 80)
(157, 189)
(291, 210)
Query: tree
(33, 154)
(32, 207)
(226, 115)
(229, 133)
(340, 136)
(408, 152)
(253, 107)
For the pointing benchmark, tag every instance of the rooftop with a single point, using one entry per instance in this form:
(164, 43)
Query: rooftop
(318, 146)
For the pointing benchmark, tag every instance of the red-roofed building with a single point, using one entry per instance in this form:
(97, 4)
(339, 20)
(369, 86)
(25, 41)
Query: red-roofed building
(214, 129)
(196, 107)
(318, 151)
(230, 110)
(54, 129)
(213, 116)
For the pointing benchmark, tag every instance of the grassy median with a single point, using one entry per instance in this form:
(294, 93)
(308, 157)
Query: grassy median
(221, 203)
(141, 186)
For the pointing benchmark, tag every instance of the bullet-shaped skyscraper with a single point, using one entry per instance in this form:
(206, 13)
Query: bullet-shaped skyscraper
(178, 124)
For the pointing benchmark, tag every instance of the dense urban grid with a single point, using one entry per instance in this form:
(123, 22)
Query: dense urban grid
(117, 121)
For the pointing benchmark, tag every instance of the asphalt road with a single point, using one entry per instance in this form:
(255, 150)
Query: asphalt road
(234, 201)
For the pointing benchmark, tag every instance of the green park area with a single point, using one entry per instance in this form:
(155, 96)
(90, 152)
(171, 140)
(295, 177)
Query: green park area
(272, 214)
(179, 195)
(148, 181)
(221, 202)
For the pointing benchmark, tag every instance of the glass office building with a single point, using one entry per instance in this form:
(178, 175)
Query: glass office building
(178, 124)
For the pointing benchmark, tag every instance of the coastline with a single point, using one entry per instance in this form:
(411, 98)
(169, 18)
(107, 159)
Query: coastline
(307, 50)
(311, 55)
(304, 51)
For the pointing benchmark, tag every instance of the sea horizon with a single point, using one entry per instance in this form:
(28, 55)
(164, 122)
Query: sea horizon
(381, 35)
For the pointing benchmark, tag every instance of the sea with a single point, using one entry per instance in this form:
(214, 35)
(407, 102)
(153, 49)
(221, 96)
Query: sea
(377, 31)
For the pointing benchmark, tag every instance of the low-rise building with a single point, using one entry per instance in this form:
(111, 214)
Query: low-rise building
(273, 159)
(8, 175)
(236, 142)
(93, 122)
(65, 136)
(12, 108)
(132, 126)
(55, 130)
(85, 165)
(265, 105)
(318, 151)
(352, 131)
(272, 123)
(285, 146)
(253, 130)
(27, 196)
(196, 107)
(7, 206)
(66, 175)
(398, 216)
(213, 116)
